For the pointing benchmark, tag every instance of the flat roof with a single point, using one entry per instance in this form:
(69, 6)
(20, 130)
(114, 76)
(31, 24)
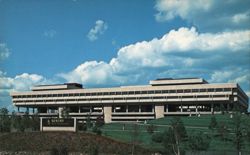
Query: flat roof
(57, 87)
(177, 81)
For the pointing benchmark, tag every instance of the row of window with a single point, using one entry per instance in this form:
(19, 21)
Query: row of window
(127, 98)
(128, 93)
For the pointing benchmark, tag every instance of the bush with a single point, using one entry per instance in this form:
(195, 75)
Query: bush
(151, 128)
(157, 137)
(97, 130)
(94, 150)
(82, 127)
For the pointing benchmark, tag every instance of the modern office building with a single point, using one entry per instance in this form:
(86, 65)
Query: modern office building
(162, 97)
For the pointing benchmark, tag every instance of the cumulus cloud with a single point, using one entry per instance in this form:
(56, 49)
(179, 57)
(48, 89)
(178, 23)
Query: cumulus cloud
(20, 82)
(164, 56)
(211, 15)
(49, 33)
(99, 29)
(4, 51)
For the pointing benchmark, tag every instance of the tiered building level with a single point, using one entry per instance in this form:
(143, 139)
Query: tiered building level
(162, 97)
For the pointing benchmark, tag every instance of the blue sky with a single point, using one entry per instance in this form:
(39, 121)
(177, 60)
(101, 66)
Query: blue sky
(117, 42)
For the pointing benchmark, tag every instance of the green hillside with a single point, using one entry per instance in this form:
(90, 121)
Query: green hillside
(124, 131)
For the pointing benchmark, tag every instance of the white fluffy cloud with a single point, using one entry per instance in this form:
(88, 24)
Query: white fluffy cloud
(49, 33)
(147, 59)
(100, 28)
(206, 14)
(4, 51)
(169, 9)
(20, 82)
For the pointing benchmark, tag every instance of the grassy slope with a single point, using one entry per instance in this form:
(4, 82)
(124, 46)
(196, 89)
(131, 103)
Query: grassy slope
(192, 124)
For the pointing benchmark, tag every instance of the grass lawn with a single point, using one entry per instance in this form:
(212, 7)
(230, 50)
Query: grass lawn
(123, 131)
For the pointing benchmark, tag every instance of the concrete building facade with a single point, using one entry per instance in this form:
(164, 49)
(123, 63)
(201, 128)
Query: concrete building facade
(162, 97)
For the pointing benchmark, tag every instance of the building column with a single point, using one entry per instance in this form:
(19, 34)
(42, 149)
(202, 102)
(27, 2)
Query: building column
(166, 107)
(33, 110)
(126, 108)
(107, 113)
(79, 109)
(196, 109)
(181, 108)
(159, 111)
(212, 108)
(139, 108)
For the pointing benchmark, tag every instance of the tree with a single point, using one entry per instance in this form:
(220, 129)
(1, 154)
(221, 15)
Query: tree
(213, 123)
(5, 121)
(238, 130)
(99, 121)
(88, 121)
(17, 122)
(222, 130)
(134, 136)
(35, 123)
(65, 112)
(174, 136)
(198, 141)
(157, 137)
(151, 128)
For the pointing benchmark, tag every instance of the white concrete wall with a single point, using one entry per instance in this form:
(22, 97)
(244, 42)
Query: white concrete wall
(107, 113)
(159, 111)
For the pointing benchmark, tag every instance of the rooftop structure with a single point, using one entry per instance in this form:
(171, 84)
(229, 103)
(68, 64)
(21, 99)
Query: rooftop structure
(162, 97)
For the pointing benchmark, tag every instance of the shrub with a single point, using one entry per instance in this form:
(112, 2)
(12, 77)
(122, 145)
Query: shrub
(150, 129)
(97, 130)
(157, 137)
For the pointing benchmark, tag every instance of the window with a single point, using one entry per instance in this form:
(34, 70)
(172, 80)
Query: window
(210, 90)
(202, 90)
(137, 92)
(124, 93)
(218, 89)
(151, 92)
(187, 91)
(118, 93)
(180, 91)
(227, 89)
(195, 90)
(106, 93)
(172, 91)
(131, 92)
(164, 91)
(158, 91)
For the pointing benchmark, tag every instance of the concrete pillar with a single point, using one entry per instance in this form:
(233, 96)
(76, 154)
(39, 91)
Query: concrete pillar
(107, 113)
(60, 110)
(196, 109)
(79, 109)
(167, 108)
(139, 108)
(126, 108)
(212, 108)
(159, 111)
(181, 109)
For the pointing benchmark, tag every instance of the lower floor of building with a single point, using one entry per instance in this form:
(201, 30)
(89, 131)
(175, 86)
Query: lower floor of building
(130, 112)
